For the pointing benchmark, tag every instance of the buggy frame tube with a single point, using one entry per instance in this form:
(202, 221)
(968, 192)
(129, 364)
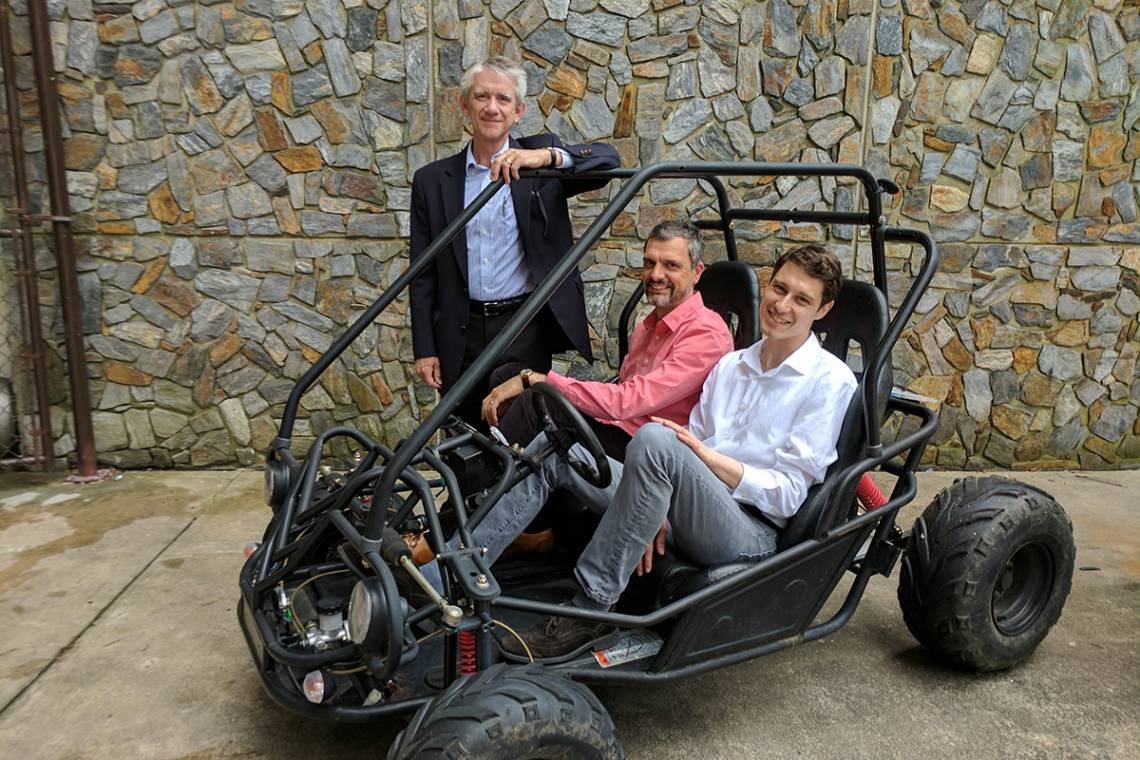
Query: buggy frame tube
(374, 525)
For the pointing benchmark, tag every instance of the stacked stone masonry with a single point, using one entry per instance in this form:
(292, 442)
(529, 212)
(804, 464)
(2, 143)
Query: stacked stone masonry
(240, 173)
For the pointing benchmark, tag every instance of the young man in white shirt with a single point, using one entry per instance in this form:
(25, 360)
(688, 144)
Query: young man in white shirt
(763, 432)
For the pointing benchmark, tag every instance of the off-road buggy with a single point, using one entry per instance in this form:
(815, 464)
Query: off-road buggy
(326, 597)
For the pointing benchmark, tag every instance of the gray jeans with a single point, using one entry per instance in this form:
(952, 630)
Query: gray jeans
(662, 478)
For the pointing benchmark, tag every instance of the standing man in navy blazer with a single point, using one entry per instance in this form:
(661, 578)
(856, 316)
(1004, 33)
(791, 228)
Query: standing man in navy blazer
(464, 298)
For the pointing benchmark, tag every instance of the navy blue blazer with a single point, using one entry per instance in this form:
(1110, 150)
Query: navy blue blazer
(439, 297)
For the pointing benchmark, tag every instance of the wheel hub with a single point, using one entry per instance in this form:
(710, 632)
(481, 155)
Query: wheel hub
(1023, 588)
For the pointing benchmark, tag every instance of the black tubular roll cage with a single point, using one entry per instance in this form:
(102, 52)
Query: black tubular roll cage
(398, 464)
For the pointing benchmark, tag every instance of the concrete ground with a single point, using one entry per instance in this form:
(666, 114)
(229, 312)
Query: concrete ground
(121, 641)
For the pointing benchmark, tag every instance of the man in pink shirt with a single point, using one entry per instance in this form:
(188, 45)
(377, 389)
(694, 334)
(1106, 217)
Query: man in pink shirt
(671, 352)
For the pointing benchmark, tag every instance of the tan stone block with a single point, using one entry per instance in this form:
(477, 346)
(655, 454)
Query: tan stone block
(953, 24)
(849, 149)
(1044, 233)
(287, 218)
(956, 353)
(108, 176)
(1075, 333)
(592, 52)
(937, 144)
(1114, 174)
(176, 294)
(550, 100)
(1131, 259)
(984, 53)
(116, 228)
(1037, 135)
(336, 124)
(81, 151)
(281, 92)
(303, 159)
(626, 112)
(162, 205)
(948, 198)
(1102, 448)
(224, 348)
(1024, 359)
(116, 29)
(1031, 449)
(955, 396)
(313, 52)
(270, 133)
(149, 276)
(567, 80)
(882, 75)
(651, 69)
(125, 374)
(1042, 293)
(382, 391)
(984, 330)
(1063, 197)
(853, 94)
(937, 387)
(1105, 145)
(649, 216)
(1013, 423)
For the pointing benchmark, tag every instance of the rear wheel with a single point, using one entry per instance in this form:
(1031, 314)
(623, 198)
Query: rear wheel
(986, 572)
(510, 711)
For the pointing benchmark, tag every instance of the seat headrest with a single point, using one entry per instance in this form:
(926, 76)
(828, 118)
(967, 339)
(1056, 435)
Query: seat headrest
(731, 289)
(859, 316)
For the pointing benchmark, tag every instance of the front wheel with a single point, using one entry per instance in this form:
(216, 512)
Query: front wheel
(510, 712)
(986, 572)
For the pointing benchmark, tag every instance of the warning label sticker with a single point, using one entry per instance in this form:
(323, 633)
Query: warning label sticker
(635, 645)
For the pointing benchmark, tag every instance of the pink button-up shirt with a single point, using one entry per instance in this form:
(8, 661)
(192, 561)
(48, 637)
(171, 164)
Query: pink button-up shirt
(663, 373)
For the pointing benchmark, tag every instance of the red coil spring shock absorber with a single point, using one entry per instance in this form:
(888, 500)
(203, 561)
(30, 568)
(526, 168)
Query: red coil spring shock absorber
(869, 494)
(466, 653)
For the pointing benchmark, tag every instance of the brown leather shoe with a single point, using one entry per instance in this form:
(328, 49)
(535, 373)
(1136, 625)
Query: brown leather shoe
(419, 547)
(531, 543)
(558, 638)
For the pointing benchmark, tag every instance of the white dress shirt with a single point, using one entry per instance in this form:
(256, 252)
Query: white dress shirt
(782, 425)
(495, 266)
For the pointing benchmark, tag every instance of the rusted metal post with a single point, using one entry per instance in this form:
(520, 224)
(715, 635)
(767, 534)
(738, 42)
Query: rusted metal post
(61, 229)
(24, 250)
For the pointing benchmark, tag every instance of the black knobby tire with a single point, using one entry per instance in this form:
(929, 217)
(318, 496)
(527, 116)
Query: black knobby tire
(986, 572)
(510, 711)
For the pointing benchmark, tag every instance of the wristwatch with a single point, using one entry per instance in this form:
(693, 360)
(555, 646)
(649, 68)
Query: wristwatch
(525, 377)
(555, 158)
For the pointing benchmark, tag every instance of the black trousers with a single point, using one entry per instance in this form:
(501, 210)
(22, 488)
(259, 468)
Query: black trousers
(520, 422)
(533, 347)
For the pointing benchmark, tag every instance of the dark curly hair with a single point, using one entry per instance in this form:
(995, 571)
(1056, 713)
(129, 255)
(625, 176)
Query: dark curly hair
(818, 262)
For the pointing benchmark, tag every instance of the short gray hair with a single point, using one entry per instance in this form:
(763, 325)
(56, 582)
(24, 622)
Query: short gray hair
(678, 228)
(501, 65)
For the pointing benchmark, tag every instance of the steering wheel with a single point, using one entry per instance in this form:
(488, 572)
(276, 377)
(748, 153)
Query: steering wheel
(577, 431)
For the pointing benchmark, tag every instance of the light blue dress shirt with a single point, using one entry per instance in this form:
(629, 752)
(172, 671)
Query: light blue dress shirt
(496, 269)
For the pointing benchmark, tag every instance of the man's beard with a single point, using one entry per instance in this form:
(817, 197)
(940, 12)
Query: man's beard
(660, 299)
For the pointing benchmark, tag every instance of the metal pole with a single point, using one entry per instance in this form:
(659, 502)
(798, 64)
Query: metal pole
(22, 244)
(61, 229)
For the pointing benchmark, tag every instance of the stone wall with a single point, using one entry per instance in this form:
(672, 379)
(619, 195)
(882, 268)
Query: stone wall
(240, 176)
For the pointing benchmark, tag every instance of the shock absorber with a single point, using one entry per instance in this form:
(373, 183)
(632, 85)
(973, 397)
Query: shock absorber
(467, 664)
(869, 494)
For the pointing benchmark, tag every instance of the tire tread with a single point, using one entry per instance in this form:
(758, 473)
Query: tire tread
(476, 712)
(942, 580)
